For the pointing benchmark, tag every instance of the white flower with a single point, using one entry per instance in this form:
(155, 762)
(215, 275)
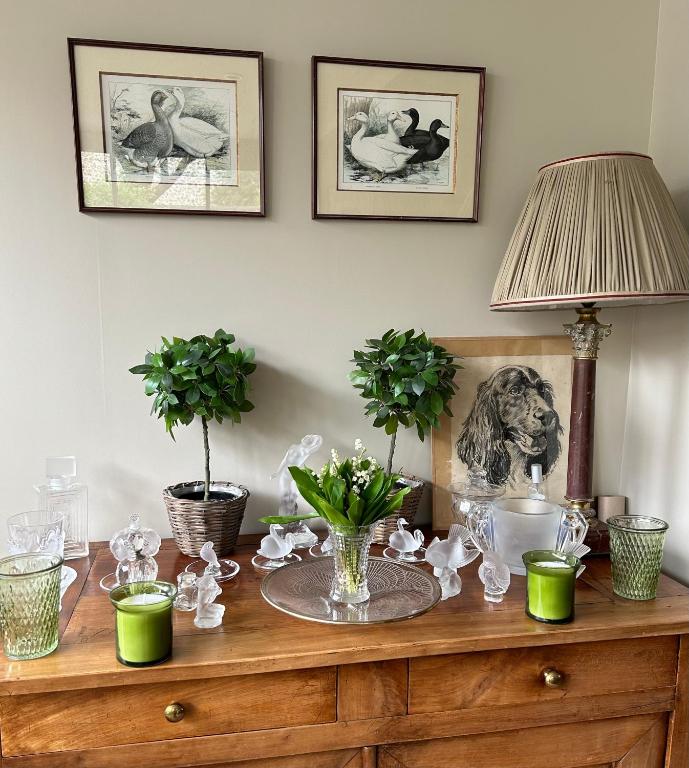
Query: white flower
(358, 445)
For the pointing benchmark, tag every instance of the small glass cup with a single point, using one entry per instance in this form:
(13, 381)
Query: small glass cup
(143, 622)
(636, 554)
(187, 592)
(550, 582)
(30, 604)
(40, 530)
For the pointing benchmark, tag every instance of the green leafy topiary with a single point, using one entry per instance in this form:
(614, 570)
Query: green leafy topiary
(407, 380)
(202, 377)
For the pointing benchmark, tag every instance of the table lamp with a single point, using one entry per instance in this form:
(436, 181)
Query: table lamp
(599, 230)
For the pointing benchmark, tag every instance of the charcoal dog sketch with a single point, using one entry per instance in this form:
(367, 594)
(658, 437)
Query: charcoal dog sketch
(161, 130)
(511, 425)
(396, 142)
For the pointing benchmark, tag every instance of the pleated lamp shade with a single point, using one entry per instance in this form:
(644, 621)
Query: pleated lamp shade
(602, 229)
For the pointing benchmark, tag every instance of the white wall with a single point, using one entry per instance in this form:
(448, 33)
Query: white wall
(656, 446)
(83, 296)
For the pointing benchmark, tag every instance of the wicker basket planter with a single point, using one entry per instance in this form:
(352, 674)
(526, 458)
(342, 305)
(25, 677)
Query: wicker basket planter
(195, 521)
(408, 510)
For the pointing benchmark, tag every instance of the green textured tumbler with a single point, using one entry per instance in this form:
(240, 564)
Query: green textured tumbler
(636, 554)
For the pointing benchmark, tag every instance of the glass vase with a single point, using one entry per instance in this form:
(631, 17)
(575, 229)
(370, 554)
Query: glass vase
(636, 554)
(350, 556)
(30, 604)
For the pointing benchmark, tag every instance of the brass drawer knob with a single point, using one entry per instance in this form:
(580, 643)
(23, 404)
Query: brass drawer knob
(174, 712)
(553, 678)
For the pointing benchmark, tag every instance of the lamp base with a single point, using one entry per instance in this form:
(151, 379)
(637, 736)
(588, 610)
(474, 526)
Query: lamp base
(586, 336)
(597, 537)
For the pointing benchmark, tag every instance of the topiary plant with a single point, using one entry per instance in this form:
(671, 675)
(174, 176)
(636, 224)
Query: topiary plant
(407, 380)
(201, 377)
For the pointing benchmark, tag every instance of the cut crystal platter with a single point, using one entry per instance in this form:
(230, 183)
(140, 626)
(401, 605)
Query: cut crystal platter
(398, 591)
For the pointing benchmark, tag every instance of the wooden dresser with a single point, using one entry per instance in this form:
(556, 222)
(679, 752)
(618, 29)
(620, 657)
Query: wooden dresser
(462, 686)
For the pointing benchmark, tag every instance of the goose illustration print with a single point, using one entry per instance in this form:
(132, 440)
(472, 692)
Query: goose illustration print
(397, 142)
(161, 130)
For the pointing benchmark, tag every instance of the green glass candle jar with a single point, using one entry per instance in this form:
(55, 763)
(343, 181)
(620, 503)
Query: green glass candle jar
(550, 581)
(143, 622)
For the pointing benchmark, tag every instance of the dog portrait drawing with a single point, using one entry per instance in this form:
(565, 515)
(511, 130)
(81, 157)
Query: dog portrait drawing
(512, 424)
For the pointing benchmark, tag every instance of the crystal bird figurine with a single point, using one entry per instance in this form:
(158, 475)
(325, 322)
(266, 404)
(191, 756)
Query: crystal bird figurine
(209, 613)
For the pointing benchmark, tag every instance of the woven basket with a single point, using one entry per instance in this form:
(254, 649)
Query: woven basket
(408, 510)
(195, 521)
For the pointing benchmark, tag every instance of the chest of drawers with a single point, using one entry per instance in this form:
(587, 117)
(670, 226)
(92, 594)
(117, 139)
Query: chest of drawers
(468, 684)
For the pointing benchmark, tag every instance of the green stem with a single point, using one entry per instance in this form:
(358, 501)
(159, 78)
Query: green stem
(207, 456)
(393, 440)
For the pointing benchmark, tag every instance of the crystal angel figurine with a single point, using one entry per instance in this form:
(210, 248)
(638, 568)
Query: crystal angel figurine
(208, 613)
(448, 556)
(296, 456)
(134, 548)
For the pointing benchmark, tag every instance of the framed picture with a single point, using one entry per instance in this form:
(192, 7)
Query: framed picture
(166, 129)
(396, 141)
(511, 411)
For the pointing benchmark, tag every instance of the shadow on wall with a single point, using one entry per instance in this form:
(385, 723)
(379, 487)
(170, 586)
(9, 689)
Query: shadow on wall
(288, 406)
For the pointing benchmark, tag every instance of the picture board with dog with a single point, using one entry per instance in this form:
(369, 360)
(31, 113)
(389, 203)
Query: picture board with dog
(511, 411)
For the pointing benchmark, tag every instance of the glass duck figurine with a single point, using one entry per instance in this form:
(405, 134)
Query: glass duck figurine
(275, 550)
(405, 546)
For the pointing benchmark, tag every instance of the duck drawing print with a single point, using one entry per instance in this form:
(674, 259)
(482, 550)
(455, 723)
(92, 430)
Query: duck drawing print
(161, 130)
(397, 142)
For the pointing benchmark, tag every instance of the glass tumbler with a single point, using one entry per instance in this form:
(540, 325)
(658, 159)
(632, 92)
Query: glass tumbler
(636, 554)
(30, 604)
(40, 530)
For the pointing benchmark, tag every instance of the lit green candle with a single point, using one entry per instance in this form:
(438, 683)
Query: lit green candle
(550, 582)
(143, 622)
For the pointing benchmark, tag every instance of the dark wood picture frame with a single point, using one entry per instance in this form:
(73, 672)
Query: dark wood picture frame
(72, 43)
(316, 60)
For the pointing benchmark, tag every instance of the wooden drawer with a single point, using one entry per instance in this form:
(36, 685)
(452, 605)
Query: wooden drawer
(623, 742)
(64, 720)
(515, 676)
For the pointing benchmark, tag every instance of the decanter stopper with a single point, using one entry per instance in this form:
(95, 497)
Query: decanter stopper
(536, 487)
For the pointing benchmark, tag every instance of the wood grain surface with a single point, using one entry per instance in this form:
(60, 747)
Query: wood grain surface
(63, 720)
(265, 689)
(256, 638)
(515, 676)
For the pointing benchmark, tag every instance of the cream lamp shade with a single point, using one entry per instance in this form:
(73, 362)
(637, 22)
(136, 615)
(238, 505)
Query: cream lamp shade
(600, 229)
